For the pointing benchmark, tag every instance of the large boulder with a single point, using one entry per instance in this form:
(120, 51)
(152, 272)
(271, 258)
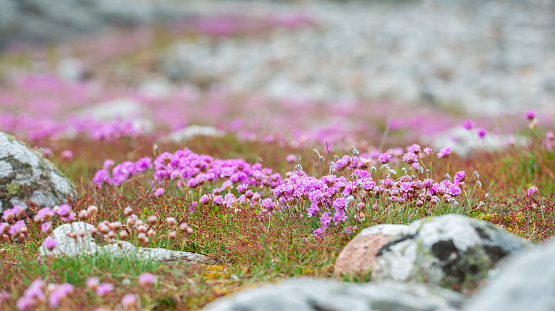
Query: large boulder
(27, 176)
(46, 21)
(87, 244)
(525, 282)
(322, 294)
(451, 251)
(357, 257)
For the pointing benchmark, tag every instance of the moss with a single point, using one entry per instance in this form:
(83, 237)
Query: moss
(13, 189)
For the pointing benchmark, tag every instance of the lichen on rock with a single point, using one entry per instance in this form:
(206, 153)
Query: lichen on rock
(27, 176)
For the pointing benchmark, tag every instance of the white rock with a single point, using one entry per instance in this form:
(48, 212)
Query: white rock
(121, 108)
(193, 131)
(88, 245)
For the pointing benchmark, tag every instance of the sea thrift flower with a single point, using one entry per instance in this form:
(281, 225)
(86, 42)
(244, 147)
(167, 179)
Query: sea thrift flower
(532, 190)
(92, 283)
(291, 158)
(50, 244)
(414, 149)
(67, 155)
(59, 293)
(129, 300)
(482, 132)
(325, 220)
(530, 115)
(468, 124)
(384, 158)
(146, 279)
(159, 192)
(104, 289)
(444, 153)
(459, 176)
(428, 151)
(46, 227)
(32, 296)
(46, 152)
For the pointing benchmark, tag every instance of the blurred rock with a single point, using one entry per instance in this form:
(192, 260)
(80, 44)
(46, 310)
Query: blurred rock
(486, 57)
(465, 142)
(451, 251)
(88, 244)
(524, 282)
(193, 131)
(45, 21)
(357, 257)
(321, 294)
(26, 175)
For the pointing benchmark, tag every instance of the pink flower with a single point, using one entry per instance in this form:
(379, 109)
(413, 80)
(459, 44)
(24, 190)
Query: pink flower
(325, 220)
(459, 176)
(59, 293)
(63, 210)
(159, 192)
(530, 115)
(92, 283)
(291, 158)
(444, 153)
(428, 151)
(46, 152)
(384, 158)
(532, 190)
(104, 289)
(129, 300)
(50, 243)
(468, 124)
(146, 279)
(482, 132)
(67, 155)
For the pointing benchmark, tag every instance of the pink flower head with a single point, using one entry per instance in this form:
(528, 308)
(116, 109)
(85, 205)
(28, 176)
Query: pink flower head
(530, 115)
(46, 152)
(428, 151)
(92, 283)
(63, 210)
(67, 155)
(50, 243)
(129, 300)
(146, 279)
(414, 149)
(318, 233)
(410, 158)
(325, 220)
(444, 153)
(59, 293)
(468, 124)
(104, 289)
(291, 158)
(532, 190)
(482, 132)
(459, 176)
(159, 192)
(384, 158)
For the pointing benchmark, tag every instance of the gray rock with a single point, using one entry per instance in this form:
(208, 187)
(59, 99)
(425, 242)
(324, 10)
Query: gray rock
(525, 282)
(451, 251)
(192, 131)
(46, 21)
(88, 245)
(322, 294)
(25, 175)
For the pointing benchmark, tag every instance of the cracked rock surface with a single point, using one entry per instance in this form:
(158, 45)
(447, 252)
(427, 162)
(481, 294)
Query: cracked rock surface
(25, 175)
(449, 251)
(321, 294)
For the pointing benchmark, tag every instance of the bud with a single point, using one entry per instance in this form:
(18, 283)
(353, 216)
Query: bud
(188, 232)
(172, 235)
(152, 220)
(142, 229)
(183, 227)
(123, 235)
(127, 211)
(83, 215)
(92, 210)
(151, 233)
(171, 221)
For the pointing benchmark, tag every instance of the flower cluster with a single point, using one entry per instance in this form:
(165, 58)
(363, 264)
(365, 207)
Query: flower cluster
(36, 294)
(190, 170)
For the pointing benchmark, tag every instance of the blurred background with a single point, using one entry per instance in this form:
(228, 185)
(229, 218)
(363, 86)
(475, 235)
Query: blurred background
(302, 72)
